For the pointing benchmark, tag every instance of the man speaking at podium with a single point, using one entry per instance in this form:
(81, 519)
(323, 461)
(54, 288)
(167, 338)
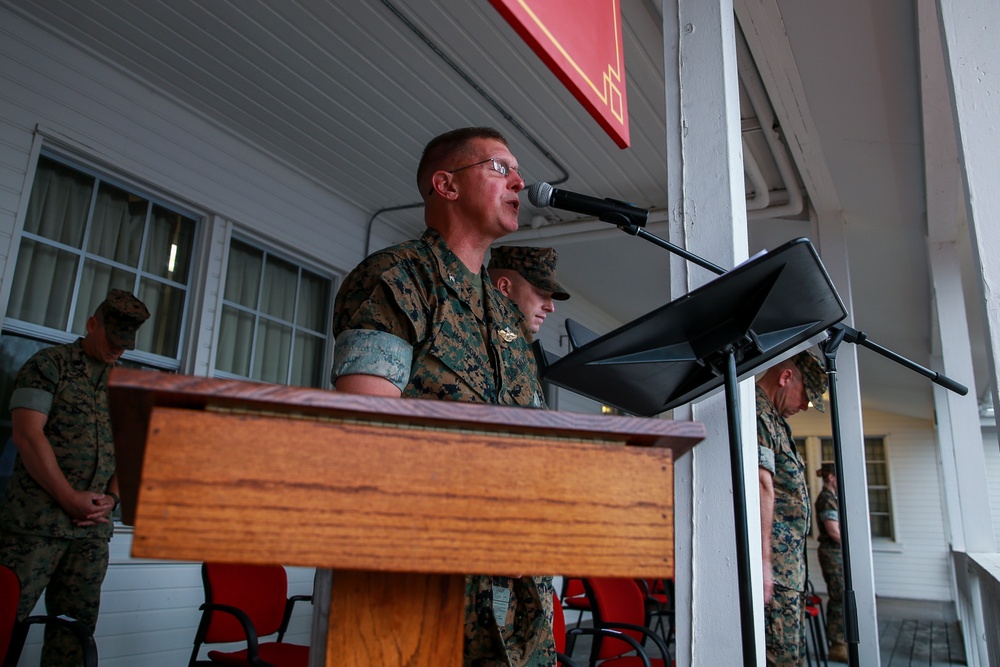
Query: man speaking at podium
(418, 320)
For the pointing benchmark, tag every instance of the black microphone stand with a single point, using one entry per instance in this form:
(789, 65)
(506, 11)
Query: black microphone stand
(841, 333)
(837, 334)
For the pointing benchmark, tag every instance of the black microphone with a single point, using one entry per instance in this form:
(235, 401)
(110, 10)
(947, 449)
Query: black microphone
(607, 210)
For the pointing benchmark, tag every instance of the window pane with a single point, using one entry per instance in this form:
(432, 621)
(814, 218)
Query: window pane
(59, 203)
(314, 300)
(171, 240)
(881, 526)
(307, 362)
(827, 445)
(243, 274)
(119, 218)
(97, 280)
(280, 281)
(161, 334)
(876, 474)
(271, 356)
(42, 290)
(235, 339)
(878, 501)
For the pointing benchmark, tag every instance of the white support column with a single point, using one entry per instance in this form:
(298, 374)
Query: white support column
(708, 218)
(972, 62)
(960, 440)
(961, 435)
(854, 476)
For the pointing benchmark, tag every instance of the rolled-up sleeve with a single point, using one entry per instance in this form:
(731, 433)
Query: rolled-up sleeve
(371, 352)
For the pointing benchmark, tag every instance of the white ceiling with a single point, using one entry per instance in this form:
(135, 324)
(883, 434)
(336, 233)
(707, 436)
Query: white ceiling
(347, 93)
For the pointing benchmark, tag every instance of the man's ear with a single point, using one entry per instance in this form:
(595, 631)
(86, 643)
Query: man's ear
(443, 184)
(503, 284)
(785, 377)
(92, 324)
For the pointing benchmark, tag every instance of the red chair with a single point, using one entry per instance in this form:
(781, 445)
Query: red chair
(559, 632)
(619, 611)
(659, 598)
(242, 604)
(574, 598)
(13, 632)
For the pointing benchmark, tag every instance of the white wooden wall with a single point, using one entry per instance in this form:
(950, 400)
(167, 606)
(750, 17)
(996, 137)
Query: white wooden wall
(914, 566)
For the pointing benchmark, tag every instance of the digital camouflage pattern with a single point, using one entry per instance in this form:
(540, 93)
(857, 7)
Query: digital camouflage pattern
(784, 628)
(527, 628)
(462, 348)
(72, 389)
(792, 514)
(536, 265)
(831, 562)
(439, 331)
(813, 377)
(37, 538)
(71, 572)
(122, 314)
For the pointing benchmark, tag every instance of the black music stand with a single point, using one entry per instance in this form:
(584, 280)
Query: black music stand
(709, 338)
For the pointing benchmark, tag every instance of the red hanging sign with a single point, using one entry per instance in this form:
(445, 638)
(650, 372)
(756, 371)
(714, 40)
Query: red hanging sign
(581, 42)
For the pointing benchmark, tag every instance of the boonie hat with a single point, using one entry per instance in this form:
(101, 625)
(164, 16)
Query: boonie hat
(122, 314)
(537, 265)
(813, 377)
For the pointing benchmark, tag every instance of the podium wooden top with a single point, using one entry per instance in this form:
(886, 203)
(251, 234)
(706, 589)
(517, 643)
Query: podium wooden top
(133, 393)
(317, 478)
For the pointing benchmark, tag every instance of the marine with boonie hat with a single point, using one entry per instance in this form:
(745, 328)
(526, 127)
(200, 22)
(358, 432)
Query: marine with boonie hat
(536, 265)
(70, 523)
(527, 276)
(122, 314)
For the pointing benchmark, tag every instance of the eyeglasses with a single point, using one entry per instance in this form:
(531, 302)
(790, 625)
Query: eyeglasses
(496, 164)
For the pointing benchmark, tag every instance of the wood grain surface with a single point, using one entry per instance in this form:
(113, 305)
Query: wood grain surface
(380, 497)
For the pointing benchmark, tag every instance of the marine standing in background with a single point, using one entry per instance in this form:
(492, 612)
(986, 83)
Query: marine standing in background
(55, 520)
(527, 276)
(782, 391)
(831, 560)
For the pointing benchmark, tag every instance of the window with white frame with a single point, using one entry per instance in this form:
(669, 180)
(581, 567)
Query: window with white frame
(275, 323)
(879, 496)
(84, 235)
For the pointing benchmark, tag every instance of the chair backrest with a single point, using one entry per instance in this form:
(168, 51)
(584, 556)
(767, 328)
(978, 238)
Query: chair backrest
(616, 601)
(558, 624)
(259, 590)
(10, 596)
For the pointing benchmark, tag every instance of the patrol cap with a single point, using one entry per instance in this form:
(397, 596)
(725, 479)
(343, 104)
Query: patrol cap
(122, 314)
(537, 265)
(813, 377)
(826, 469)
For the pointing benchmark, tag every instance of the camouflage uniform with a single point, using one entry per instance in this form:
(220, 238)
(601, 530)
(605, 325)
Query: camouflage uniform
(416, 316)
(36, 533)
(537, 265)
(831, 561)
(784, 616)
(38, 540)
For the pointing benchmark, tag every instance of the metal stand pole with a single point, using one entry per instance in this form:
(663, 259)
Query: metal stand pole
(739, 508)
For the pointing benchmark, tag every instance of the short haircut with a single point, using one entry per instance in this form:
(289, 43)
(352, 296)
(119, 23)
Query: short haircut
(449, 146)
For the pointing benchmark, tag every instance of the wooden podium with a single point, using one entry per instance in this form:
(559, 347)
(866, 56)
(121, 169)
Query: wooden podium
(400, 497)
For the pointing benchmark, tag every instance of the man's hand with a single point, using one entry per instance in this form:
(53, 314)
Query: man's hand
(87, 508)
(768, 582)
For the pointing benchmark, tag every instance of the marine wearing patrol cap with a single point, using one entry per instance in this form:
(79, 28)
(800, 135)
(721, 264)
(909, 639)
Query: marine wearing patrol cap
(122, 314)
(536, 265)
(813, 377)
